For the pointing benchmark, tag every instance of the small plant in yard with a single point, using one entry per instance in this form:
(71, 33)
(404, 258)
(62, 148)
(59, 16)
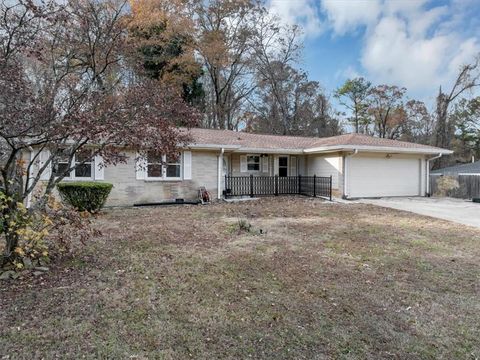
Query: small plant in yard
(242, 225)
(85, 196)
(446, 184)
(37, 236)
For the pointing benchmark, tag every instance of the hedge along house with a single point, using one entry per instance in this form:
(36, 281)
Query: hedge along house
(360, 166)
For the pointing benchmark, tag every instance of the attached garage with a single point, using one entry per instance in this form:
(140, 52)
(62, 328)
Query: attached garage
(378, 175)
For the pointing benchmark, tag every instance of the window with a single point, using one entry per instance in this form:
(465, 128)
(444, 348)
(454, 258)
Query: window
(154, 166)
(162, 167)
(83, 162)
(253, 163)
(62, 165)
(84, 165)
(283, 166)
(173, 166)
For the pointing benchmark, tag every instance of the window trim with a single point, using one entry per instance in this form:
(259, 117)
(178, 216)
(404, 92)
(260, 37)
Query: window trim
(164, 164)
(259, 163)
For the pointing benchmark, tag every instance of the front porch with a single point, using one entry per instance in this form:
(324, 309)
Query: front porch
(254, 186)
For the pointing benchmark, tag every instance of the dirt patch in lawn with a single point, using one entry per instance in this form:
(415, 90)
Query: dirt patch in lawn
(308, 279)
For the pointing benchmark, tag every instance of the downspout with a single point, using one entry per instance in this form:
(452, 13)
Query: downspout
(345, 173)
(428, 173)
(220, 174)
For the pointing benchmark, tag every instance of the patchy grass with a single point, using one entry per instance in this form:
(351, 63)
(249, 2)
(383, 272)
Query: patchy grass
(280, 278)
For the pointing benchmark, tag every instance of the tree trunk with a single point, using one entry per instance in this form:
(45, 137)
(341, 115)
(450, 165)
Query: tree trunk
(442, 138)
(11, 236)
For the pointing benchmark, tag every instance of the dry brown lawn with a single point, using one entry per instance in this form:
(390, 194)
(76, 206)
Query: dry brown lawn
(309, 280)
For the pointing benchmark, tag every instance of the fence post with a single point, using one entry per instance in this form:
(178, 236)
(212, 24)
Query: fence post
(299, 184)
(314, 185)
(225, 187)
(330, 187)
(275, 180)
(251, 185)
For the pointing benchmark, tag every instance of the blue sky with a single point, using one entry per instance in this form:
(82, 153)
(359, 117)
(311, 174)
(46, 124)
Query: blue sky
(418, 44)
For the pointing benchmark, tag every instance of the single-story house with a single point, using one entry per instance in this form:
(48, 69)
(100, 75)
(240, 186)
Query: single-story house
(472, 168)
(360, 166)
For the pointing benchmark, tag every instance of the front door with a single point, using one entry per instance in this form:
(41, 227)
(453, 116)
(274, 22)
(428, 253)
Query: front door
(283, 166)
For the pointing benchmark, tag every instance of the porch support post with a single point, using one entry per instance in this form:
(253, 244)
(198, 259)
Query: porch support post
(330, 188)
(276, 185)
(251, 185)
(314, 185)
(220, 174)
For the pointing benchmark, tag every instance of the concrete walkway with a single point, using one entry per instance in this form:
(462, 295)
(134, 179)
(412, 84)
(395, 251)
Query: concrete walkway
(457, 210)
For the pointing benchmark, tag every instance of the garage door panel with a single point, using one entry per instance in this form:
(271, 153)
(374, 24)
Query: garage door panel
(377, 176)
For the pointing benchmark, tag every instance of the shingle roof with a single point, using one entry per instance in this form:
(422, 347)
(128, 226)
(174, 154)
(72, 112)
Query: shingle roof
(471, 168)
(277, 142)
(250, 140)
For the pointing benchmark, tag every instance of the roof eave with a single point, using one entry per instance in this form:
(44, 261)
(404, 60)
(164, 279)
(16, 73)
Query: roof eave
(213, 146)
(370, 148)
(269, 151)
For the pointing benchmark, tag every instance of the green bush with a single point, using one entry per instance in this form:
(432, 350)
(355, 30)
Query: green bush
(85, 196)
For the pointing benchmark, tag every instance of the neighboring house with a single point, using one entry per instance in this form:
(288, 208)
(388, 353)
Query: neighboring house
(460, 169)
(360, 166)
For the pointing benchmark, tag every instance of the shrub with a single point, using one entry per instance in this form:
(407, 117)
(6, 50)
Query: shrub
(85, 196)
(445, 184)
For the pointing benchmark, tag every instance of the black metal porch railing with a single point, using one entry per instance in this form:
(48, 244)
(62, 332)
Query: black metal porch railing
(275, 185)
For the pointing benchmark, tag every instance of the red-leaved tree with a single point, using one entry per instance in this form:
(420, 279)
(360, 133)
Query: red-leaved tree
(69, 82)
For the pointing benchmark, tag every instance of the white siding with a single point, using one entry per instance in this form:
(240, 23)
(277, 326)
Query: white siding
(326, 165)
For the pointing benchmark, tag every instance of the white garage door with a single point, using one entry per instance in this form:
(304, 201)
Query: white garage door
(381, 176)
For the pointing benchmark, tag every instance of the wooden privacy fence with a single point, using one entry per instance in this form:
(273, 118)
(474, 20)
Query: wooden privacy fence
(275, 185)
(469, 186)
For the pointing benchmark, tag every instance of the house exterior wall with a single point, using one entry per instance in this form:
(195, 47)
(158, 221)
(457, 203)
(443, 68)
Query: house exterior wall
(128, 190)
(327, 165)
(235, 168)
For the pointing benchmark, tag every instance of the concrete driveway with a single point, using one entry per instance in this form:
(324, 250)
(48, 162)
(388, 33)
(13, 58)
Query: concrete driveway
(457, 210)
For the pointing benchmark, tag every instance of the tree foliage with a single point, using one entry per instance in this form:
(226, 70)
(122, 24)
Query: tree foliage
(354, 95)
(163, 33)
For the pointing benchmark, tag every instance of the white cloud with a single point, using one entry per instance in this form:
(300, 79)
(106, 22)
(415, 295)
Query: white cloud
(407, 43)
(346, 15)
(391, 55)
(410, 43)
(301, 12)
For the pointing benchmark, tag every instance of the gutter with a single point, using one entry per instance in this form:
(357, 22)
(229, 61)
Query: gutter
(381, 149)
(345, 172)
(428, 173)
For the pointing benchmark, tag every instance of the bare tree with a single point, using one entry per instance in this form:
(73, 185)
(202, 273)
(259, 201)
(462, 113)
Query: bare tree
(224, 32)
(386, 109)
(287, 103)
(467, 79)
(419, 123)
